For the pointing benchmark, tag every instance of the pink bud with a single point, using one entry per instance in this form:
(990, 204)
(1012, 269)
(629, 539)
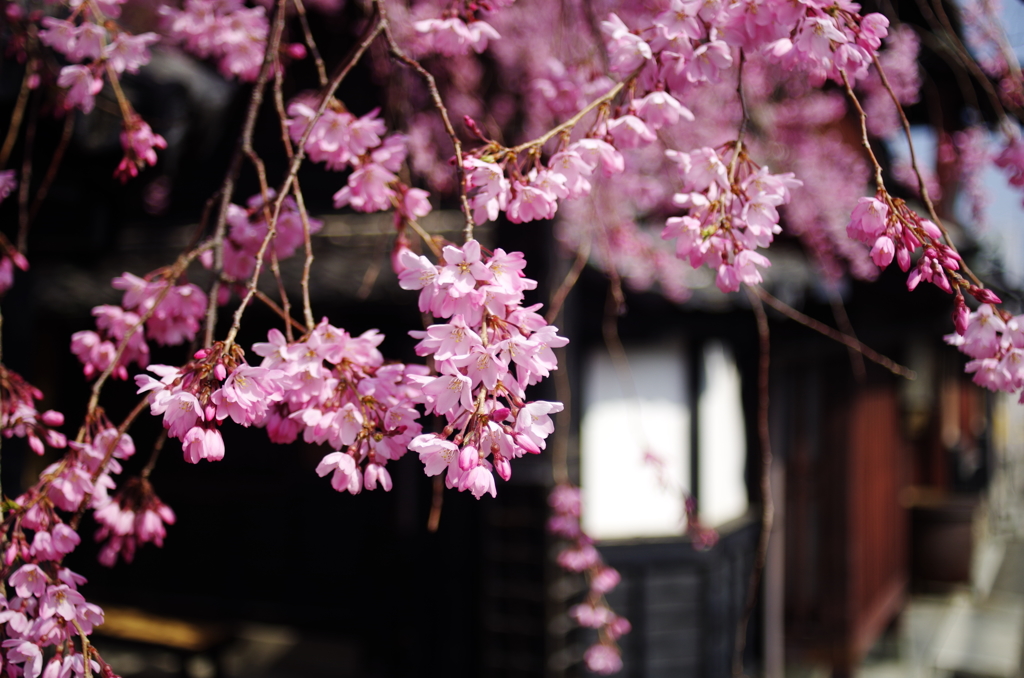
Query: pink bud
(53, 418)
(210, 412)
(10, 554)
(296, 50)
(33, 81)
(960, 315)
(220, 372)
(468, 458)
(503, 467)
(527, 444)
(931, 230)
(500, 414)
(20, 261)
(903, 259)
(985, 296)
(36, 444)
(619, 628)
(201, 353)
(401, 245)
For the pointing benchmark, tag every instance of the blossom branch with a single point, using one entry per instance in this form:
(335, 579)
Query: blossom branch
(820, 327)
(767, 503)
(17, 115)
(227, 188)
(321, 70)
(375, 30)
(86, 659)
(865, 142)
(921, 184)
(175, 272)
(435, 96)
(559, 296)
(50, 176)
(300, 201)
(102, 467)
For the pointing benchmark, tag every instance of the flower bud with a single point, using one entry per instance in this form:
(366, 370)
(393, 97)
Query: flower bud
(296, 50)
(960, 315)
(503, 467)
(53, 418)
(500, 414)
(985, 296)
(220, 372)
(468, 458)
(201, 353)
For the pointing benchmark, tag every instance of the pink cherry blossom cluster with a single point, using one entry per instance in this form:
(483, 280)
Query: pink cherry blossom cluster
(458, 31)
(132, 517)
(489, 423)
(692, 41)
(995, 341)
(20, 418)
(176, 311)
(248, 230)
(225, 30)
(196, 398)
(85, 473)
(139, 144)
(535, 195)
(91, 40)
(337, 389)
(48, 610)
(604, 657)
(341, 140)
(893, 230)
(731, 205)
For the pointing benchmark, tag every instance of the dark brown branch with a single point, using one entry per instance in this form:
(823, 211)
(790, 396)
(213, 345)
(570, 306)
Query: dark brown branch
(846, 340)
(767, 505)
(17, 115)
(51, 172)
(559, 296)
(375, 30)
(435, 96)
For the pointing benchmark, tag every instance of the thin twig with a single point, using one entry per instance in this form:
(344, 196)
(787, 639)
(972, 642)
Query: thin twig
(321, 70)
(425, 237)
(17, 115)
(289, 321)
(922, 185)
(843, 321)
(559, 296)
(435, 96)
(286, 306)
(86, 659)
(820, 327)
(227, 188)
(375, 30)
(767, 505)
(111, 448)
(865, 142)
(175, 272)
(436, 503)
(51, 173)
(154, 455)
(25, 181)
(300, 201)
